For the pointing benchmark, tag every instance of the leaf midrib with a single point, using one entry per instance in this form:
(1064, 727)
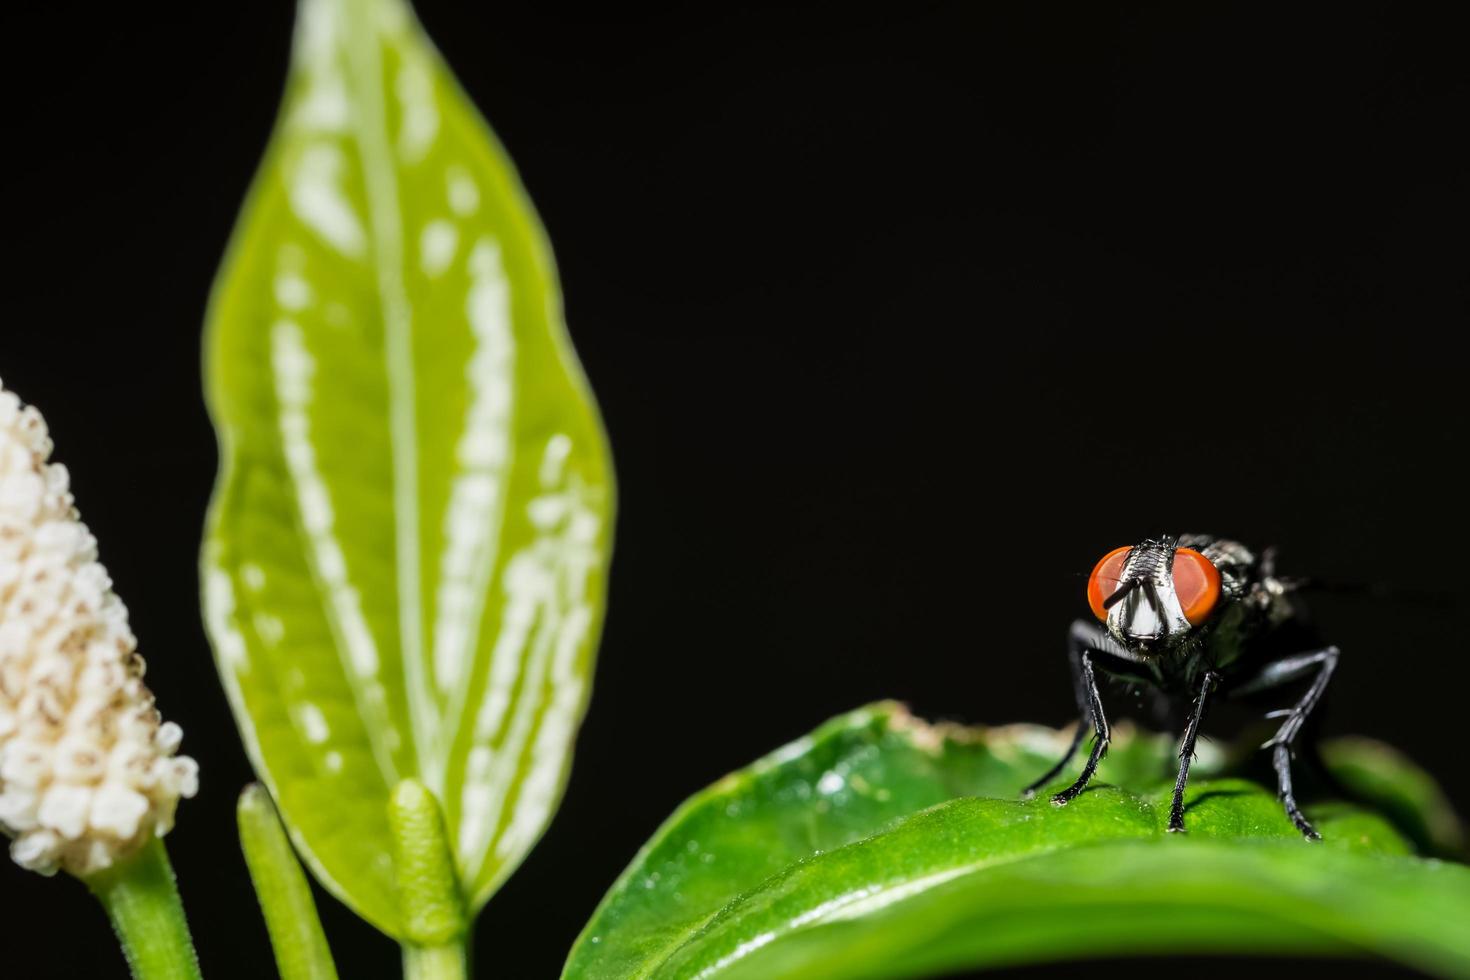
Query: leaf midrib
(386, 246)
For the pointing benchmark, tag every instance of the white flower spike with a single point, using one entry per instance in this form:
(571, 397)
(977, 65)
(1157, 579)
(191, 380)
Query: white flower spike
(87, 771)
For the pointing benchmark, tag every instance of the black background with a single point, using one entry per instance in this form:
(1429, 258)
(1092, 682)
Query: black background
(899, 319)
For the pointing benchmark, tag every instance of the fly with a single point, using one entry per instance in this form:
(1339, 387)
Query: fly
(1185, 614)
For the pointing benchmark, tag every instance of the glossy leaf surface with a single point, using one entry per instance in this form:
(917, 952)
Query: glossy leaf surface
(404, 569)
(883, 847)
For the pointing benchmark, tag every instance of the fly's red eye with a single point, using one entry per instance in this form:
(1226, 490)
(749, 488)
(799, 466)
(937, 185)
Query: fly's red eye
(1196, 583)
(1103, 581)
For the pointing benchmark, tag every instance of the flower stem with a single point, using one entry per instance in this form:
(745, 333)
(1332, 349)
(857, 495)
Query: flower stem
(142, 900)
(447, 962)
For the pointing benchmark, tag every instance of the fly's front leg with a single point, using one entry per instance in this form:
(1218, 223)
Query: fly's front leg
(1075, 642)
(1050, 774)
(1083, 637)
(1186, 750)
(1102, 735)
(1323, 662)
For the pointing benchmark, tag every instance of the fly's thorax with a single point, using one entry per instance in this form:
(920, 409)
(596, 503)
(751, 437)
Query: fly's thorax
(1256, 597)
(1224, 637)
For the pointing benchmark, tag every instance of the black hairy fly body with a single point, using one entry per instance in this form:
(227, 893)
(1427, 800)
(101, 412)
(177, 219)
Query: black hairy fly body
(1185, 615)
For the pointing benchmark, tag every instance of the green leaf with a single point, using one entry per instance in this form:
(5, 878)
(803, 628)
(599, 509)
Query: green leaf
(405, 562)
(1379, 774)
(880, 846)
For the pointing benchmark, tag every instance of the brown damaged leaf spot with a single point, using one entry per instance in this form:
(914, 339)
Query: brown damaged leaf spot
(933, 736)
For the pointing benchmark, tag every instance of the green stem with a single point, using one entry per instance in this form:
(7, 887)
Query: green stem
(285, 897)
(142, 900)
(447, 962)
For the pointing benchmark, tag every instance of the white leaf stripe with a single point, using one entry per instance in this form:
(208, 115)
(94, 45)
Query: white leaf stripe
(524, 711)
(219, 615)
(293, 368)
(476, 513)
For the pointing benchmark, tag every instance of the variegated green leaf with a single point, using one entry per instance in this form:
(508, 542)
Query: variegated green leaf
(405, 562)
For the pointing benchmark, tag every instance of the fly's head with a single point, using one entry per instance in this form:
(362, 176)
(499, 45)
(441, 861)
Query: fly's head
(1153, 595)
